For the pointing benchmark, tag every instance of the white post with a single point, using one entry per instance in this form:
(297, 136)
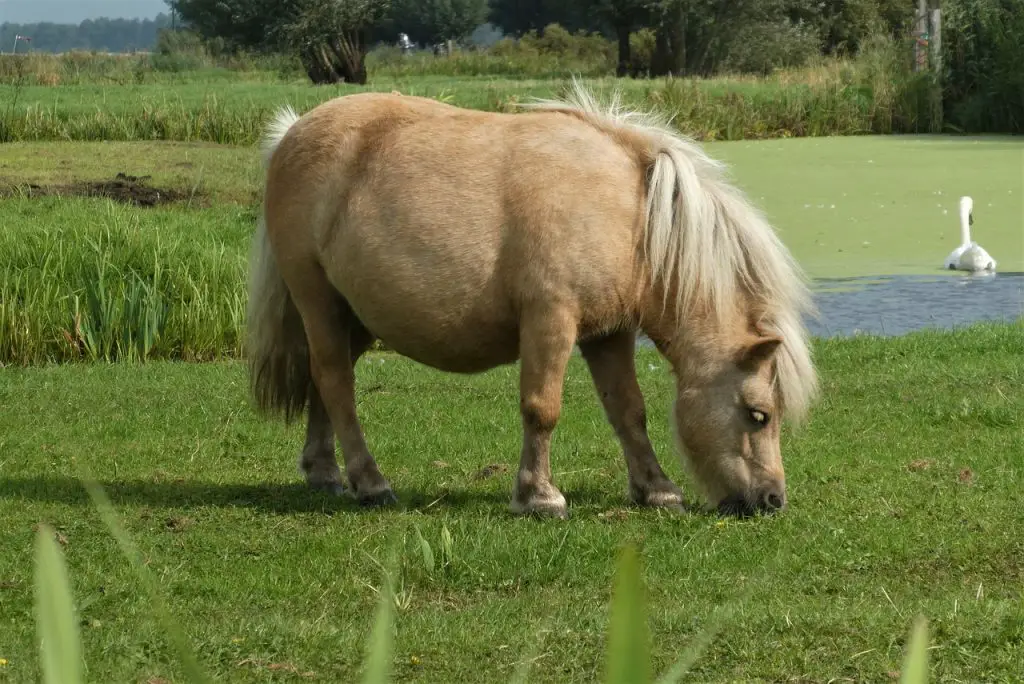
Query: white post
(936, 40)
(920, 30)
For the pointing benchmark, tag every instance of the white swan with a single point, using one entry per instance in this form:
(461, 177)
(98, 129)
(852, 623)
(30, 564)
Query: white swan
(969, 256)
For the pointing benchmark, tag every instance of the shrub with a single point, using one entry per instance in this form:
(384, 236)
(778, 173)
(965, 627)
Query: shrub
(763, 48)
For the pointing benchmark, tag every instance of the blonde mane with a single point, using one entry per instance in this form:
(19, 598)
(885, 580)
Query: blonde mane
(706, 242)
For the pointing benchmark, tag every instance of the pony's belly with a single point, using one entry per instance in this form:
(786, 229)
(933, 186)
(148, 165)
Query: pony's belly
(441, 304)
(469, 348)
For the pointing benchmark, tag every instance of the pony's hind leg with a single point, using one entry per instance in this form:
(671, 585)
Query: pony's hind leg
(317, 461)
(611, 364)
(333, 349)
(546, 342)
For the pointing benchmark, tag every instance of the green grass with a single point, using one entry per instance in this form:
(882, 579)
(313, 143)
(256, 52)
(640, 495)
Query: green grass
(904, 491)
(889, 194)
(88, 279)
(211, 173)
(233, 113)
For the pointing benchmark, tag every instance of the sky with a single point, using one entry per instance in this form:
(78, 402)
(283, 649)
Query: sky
(74, 11)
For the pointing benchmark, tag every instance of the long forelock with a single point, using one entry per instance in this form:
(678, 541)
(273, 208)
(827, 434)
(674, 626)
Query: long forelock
(708, 243)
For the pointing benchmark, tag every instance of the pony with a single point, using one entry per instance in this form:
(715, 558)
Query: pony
(465, 240)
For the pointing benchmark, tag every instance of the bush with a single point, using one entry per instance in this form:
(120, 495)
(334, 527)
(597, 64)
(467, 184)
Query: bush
(179, 51)
(641, 50)
(763, 48)
(580, 52)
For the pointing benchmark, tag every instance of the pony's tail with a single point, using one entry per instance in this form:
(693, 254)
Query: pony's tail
(277, 349)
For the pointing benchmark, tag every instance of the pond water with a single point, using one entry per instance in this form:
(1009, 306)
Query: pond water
(898, 304)
(895, 305)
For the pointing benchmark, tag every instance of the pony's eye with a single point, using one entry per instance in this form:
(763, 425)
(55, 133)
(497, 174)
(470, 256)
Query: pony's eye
(759, 417)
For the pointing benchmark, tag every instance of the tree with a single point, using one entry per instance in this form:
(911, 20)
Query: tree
(239, 23)
(623, 17)
(330, 36)
(112, 35)
(696, 36)
(516, 17)
(435, 21)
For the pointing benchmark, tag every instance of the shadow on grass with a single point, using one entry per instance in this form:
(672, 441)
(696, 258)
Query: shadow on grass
(278, 498)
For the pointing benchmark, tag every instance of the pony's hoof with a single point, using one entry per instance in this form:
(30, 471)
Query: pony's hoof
(377, 498)
(548, 503)
(326, 481)
(665, 496)
(321, 470)
(329, 486)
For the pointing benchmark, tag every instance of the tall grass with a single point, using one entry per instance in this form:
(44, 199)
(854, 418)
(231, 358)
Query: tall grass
(984, 78)
(87, 283)
(81, 67)
(870, 95)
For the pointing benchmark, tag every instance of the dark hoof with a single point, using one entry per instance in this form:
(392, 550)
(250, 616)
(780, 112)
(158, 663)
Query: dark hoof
(332, 488)
(382, 498)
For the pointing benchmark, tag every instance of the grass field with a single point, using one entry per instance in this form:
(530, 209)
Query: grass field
(904, 500)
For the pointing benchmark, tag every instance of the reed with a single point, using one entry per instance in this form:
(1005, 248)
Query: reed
(873, 94)
(88, 281)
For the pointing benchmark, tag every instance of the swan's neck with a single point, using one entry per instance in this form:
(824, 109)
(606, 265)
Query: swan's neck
(965, 228)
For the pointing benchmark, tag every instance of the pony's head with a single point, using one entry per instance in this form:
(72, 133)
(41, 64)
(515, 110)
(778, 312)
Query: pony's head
(727, 416)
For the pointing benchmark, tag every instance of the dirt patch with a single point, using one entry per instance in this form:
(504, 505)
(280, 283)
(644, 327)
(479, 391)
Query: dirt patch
(122, 188)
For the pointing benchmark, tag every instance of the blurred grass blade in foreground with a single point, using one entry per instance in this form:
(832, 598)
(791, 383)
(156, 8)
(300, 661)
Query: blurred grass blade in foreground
(628, 655)
(60, 647)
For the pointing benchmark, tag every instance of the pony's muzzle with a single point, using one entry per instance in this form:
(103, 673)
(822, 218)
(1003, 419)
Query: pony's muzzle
(770, 500)
(773, 500)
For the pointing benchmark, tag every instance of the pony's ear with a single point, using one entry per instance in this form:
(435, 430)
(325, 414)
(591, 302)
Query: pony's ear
(759, 351)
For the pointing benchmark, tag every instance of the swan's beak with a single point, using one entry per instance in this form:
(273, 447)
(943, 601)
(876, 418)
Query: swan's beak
(970, 219)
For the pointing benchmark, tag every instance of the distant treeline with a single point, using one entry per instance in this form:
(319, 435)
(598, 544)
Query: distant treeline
(102, 35)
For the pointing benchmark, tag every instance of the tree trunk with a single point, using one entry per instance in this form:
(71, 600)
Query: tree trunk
(676, 29)
(670, 43)
(318, 66)
(624, 58)
(343, 61)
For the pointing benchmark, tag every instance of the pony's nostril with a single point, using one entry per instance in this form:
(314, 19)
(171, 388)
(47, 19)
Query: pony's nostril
(774, 501)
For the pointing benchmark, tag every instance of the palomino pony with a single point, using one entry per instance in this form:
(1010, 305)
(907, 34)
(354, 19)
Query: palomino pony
(464, 240)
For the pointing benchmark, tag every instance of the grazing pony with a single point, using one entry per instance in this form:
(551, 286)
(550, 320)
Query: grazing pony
(465, 239)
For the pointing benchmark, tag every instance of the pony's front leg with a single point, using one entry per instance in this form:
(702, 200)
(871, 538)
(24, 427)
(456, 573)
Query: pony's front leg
(612, 366)
(545, 345)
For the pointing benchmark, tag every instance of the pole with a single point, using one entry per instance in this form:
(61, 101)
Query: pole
(936, 40)
(921, 31)
(15, 48)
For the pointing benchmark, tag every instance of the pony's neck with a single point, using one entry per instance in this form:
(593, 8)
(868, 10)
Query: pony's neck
(692, 346)
(965, 227)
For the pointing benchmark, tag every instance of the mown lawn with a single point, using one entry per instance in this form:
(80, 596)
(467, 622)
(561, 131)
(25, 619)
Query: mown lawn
(905, 490)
